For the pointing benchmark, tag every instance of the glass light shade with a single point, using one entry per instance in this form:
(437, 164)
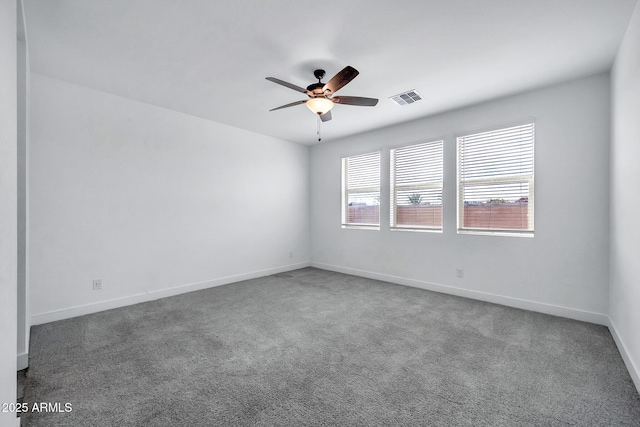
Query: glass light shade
(320, 105)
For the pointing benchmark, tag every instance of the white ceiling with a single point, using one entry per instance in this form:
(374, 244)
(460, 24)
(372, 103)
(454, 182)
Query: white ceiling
(210, 58)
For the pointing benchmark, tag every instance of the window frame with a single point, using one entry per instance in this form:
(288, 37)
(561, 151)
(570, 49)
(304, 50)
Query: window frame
(393, 189)
(515, 179)
(345, 192)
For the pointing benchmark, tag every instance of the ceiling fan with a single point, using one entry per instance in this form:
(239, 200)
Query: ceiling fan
(321, 95)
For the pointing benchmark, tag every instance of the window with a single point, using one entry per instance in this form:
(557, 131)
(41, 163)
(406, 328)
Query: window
(416, 187)
(495, 181)
(361, 190)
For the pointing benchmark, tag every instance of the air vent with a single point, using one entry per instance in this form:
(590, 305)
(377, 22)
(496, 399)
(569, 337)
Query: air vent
(404, 98)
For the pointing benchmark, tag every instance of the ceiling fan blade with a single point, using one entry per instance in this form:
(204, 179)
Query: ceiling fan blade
(326, 116)
(355, 100)
(342, 78)
(286, 84)
(288, 105)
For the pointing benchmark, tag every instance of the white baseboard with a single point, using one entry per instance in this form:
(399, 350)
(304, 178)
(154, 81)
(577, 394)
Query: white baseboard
(555, 310)
(23, 361)
(52, 316)
(628, 361)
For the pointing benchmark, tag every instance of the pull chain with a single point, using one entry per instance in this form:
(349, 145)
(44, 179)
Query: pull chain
(318, 131)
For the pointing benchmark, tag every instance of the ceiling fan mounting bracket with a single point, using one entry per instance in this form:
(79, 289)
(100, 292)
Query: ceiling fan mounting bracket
(319, 74)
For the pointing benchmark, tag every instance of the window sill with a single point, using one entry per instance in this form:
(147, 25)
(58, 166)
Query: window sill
(504, 233)
(361, 227)
(418, 230)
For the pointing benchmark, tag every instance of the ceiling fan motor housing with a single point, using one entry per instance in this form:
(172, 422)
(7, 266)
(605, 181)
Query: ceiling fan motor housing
(315, 90)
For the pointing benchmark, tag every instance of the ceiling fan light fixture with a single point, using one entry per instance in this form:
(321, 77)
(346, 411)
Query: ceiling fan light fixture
(319, 106)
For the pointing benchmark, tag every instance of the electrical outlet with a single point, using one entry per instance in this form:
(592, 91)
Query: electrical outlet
(459, 272)
(97, 284)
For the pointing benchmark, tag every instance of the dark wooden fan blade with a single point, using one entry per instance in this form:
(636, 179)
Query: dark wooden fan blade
(355, 100)
(326, 116)
(342, 78)
(286, 84)
(288, 105)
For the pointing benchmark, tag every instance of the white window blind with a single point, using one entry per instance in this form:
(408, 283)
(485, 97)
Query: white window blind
(361, 190)
(495, 181)
(416, 186)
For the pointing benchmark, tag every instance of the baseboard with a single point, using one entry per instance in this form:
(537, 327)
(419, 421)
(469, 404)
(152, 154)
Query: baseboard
(81, 310)
(628, 361)
(23, 361)
(555, 310)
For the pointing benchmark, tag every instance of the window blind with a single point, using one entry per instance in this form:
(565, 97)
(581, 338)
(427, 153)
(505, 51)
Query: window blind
(361, 190)
(496, 179)
(416, 186)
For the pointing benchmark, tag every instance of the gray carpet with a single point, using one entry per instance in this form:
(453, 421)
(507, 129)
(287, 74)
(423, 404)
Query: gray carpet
(317, 348)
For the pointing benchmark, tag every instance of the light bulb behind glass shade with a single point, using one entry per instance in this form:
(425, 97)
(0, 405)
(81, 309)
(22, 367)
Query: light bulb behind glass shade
(319, 106)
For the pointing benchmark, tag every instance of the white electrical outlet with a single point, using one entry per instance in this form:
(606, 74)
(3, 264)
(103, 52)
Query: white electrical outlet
(97, 284)
(459, 272)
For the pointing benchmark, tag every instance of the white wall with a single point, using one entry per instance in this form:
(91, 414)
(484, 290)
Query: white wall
(8, 208)
(23, 316)
(152, 201)
(562, 270)
(624, 308)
